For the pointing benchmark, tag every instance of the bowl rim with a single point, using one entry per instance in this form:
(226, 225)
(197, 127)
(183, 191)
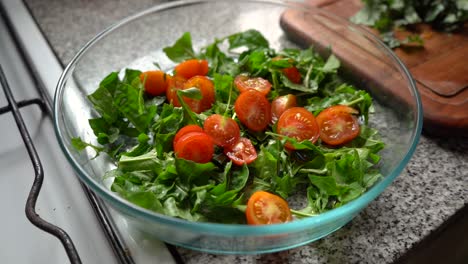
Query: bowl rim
(348, 209)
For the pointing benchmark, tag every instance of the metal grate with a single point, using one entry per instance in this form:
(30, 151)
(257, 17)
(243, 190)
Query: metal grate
(45, 104)
(14, 107)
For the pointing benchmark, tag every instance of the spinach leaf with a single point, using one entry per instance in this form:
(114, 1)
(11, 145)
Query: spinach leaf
(103, 98)
(386, 15)
(181, 50)
(252, 39)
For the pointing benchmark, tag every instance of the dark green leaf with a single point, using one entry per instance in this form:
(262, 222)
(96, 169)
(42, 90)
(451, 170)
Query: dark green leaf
(181, 50)
(191, 172)
(252, 39)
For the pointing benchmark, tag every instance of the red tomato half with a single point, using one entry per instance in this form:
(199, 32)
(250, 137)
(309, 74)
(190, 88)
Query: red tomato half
(242, 152)
(156, 82)
(338, 125)
(264, 208)
(223, 130)
(253, 110)
(184, 131)
(195, 146)
(190, 68)
(244, 83)
(293, 74)
(298, 123)
(280, 104)
(175, 83)
(207, 90)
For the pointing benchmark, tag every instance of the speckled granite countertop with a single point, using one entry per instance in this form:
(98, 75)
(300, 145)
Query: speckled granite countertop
(432, 188)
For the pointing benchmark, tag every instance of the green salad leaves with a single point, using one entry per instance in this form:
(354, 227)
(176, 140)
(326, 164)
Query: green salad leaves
(386, 15)
(137, 131)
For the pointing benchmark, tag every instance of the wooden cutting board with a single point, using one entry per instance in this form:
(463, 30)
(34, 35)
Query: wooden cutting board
(440, 68)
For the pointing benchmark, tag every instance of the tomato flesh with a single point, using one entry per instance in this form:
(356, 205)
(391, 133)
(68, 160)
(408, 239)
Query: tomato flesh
(281, 104)
(242, 152)
(184, 131)
(191, 68)
(264, 208)
(293, 74)
(298, 123)
(224, 130)
(338, 125)
(207, 90)
(155, 82)
(253, 110)
(244, 83)
(175, 83)
(195, 146)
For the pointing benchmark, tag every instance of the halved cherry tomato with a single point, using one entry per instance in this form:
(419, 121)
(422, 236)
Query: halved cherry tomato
(207, 90)
(338, 125)
(293, 74)
(242, 152)
(244, 83)
(195, 146)
(156, 82)
(184, 131)
(280, 104)
(298, 123)
(264, 208)
(190, 68)
(175, 83)
(253, 110)
(224, 130)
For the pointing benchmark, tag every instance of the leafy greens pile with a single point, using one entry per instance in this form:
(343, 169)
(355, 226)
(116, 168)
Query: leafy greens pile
(136, 131)
(386, 15)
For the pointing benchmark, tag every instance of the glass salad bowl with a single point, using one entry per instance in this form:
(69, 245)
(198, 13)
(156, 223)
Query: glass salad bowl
(137, 42)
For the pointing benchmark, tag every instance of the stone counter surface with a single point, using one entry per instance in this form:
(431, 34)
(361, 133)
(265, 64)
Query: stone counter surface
(432, 188)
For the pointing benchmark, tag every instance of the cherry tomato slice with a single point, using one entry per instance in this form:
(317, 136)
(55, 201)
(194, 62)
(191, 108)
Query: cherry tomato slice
(280, 104)
(224, 130)
(293, 74)
(253, 110)
(175, 83)
(298, 123)
(195, 146)
(156, 82)
(190, 68)
(338, 125)
(184, 131)
(264, 208)
(244, 83)
(207, 90)
(242, 152)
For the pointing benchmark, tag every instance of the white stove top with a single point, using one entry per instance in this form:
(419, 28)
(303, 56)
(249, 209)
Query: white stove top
(62, 200)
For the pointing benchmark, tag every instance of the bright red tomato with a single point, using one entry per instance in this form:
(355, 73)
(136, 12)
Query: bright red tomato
(244, 83)
(280, 104)
(224, 130)
(242, 152)
(293, 74)
(175, 83)
(195, 146)
(184, 131)
(253, 110)
(298, 123)
(190, 68)
(156, 82)
(264, 208)
(207, 90)
(338, 125)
